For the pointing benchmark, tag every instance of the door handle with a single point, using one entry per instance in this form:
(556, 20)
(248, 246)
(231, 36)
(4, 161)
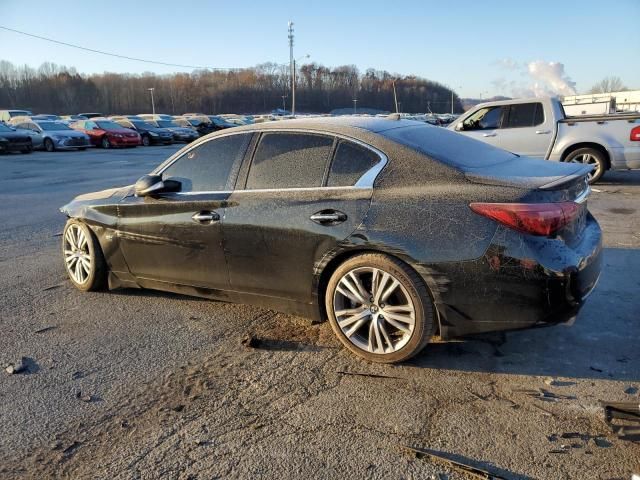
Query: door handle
(488, 134)
(542, 132)
(205, 217)
(328, 217)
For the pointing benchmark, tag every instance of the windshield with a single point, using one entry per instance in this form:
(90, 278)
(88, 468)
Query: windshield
(166, 123)
(142, 125)
(52, 126)
(109, 125)
(4, 128)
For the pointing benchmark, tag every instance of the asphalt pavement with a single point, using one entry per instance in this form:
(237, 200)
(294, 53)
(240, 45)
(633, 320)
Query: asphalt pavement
(141, 384)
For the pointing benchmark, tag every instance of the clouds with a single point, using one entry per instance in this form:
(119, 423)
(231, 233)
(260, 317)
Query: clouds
(541, 78)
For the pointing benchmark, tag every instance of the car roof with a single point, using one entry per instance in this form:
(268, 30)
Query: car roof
(342, 124)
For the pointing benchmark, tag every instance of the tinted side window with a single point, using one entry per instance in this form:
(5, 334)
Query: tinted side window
(210, 166)
(524, 115)
(289, 160)
(350, 162)
(484, 119)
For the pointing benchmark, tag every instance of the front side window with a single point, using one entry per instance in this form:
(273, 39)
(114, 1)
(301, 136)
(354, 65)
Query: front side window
(524, 115)
(210, 166)
(350, 162)
(289, 160)
(484, 119)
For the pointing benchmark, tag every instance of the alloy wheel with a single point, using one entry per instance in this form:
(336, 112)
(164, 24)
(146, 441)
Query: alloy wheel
(77, 258)
(373, 310)
(588, 159)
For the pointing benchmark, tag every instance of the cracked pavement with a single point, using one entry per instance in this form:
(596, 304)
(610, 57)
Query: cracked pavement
(175, 394)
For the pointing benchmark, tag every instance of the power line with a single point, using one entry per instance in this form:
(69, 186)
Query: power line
(196, 67)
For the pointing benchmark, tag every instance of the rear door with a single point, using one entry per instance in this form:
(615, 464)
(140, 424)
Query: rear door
(301, 195)
(525, 130)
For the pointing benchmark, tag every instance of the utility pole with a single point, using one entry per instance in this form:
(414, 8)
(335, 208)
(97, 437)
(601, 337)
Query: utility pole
(153, 104)
(395, 96)
(452, 99)
(355, 103)
(292, 67)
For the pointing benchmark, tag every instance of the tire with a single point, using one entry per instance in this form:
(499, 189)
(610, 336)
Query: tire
(146, 141)
(105, 142)
(27, 150)
(48, 145)
(589, 156)
(79, 246)
(409, 300)
(82, 149)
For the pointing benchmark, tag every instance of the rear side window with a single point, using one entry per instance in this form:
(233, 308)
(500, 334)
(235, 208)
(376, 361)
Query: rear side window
(350, 162)
(211, 166)
(289, 160)
(524, 115)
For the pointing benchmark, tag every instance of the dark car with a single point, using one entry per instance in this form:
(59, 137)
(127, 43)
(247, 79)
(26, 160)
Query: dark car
(394, 230)
(180, 134)
(149, 134)
(203, 128)
(106, 133)
(14, 140)
(90, 115)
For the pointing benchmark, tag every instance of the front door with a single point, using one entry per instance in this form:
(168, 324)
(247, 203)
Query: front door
(177, 237)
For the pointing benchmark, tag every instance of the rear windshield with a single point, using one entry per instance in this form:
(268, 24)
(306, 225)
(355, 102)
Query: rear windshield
(451, 148)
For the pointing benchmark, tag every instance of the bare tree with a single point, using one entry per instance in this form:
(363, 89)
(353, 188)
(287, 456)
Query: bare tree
(608, 84)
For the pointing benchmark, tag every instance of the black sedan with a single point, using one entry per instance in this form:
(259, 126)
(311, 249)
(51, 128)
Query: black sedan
(149, 134)
(12, 140)
(395, 231)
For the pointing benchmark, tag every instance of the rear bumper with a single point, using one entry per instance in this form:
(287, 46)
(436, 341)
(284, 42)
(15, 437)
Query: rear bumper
(522, 282)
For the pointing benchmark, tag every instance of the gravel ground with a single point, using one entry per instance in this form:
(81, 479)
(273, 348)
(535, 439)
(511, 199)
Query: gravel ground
(138, 384)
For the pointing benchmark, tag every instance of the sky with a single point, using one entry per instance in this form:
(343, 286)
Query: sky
(478, 48)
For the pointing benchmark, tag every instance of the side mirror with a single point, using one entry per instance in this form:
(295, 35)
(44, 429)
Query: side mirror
(153, 184)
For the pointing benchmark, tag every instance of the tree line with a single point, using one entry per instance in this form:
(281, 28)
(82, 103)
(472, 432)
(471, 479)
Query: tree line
(57, 89)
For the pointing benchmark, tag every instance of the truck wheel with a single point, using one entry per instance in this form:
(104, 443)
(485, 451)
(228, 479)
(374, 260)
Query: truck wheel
(589, 156)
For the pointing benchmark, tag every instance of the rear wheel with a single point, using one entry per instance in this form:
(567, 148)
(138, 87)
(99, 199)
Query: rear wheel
(83, 259)
(48, 145)
(105, 142)
(589, 156)
(379, 308)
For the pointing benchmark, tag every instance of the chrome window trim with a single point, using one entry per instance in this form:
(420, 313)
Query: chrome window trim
(366, 181)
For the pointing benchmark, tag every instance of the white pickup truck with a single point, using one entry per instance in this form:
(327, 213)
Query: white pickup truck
(538, 127)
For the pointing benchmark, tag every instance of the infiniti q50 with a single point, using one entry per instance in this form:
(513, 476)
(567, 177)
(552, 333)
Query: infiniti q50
(395, 231)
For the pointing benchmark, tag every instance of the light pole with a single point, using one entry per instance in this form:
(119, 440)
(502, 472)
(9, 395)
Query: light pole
(452, 99)
(355, 103)
(395, 97)
(292, 70)
(153, 104)
(284, 105)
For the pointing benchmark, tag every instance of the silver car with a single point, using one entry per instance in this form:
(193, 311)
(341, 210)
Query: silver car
(53, 135)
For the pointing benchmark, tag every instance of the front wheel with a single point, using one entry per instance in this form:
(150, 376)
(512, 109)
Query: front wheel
(27, 150)
(146, 140)
(48, 145)
(379, 308)
(105, 142)
(589, 156)
(83, 259)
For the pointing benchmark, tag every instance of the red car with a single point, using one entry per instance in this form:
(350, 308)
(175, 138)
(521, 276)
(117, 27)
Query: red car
(106, 133)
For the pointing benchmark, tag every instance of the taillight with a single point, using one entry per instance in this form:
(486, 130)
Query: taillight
(634, 136)
(534, 218)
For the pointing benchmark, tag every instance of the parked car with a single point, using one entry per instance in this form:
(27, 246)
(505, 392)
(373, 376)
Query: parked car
(538, 128)
(203, 128)
(91, 115)
(394, 230)
(12, 140)
(149, 134)
(156, 116)
(52, 135)
(46, 116)
(107, 133)
(180, 134)
(6, 115)
(220, 123)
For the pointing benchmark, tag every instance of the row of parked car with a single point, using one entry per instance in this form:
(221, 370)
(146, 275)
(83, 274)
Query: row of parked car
(22, 131)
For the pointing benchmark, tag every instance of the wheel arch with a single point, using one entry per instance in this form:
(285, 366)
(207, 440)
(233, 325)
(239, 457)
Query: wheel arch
(596, 146)
(327, 266)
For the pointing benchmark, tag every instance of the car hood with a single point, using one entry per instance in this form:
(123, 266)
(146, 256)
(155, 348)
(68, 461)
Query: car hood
(82, 204)
(66, 133)
(526, 172)
(121, 131)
